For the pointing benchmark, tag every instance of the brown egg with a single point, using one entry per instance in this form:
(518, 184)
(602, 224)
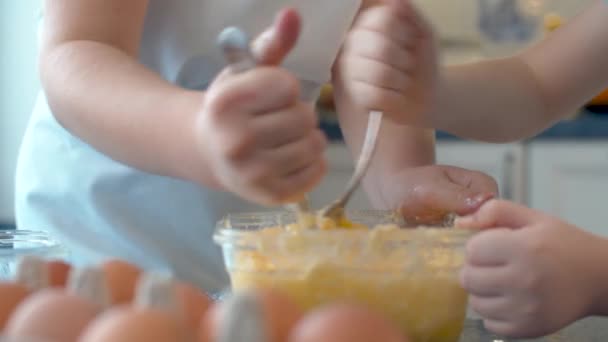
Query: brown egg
(207, 329)
(11, 294)
(194, 303)
(278, 315)
(90, 283)
(61, 314)
(51, 314)
(162, 292)
(32, 272)
(58, 272)
(122, 278)
(31, 275)
(155, 315)
(37, 273)
(345, 323)
(131, 324)
(234, 318)
(281, 313)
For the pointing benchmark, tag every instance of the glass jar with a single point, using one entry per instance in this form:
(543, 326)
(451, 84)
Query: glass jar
(17, 243)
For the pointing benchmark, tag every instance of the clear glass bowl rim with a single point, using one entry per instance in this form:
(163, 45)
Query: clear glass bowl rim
(28, 242)
(232, 230)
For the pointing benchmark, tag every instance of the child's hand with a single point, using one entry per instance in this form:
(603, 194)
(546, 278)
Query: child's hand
(533, 274)
(427, 195)
(263, 142)
(389, 62)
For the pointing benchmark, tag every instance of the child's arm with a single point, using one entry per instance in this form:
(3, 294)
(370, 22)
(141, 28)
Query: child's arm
(264, 146)
(399, 147)
(98, 90)
(513, 98)
(392, 180)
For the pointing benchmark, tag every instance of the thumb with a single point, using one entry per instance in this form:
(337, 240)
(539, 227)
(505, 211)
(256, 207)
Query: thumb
(498, 213)
(273, 45)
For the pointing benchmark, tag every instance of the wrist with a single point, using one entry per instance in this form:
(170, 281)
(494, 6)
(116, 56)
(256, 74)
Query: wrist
(191, 159)
(436, 117)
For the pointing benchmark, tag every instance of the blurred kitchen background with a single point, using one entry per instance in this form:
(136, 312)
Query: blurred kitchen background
(19, 86)
(564, 171)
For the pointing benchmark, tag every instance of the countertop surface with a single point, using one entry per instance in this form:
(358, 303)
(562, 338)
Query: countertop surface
(587, 330)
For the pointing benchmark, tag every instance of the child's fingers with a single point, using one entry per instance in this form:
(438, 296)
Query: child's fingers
(490, 308)
(378, 74)
(484, 282)
(298, 183)
(491, 248)
(295, 156)
(248, 92)
(402, 7)
(272, 46)
(380, 19)
(500, 327)
(406, 10)
(376, 46)
(281, 127)
(498, 213)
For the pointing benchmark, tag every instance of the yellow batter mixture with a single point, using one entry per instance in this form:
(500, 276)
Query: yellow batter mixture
(408, 274)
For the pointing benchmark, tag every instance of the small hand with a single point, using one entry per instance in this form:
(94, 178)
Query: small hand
(389, 62)
(532, 274)
(267, 146)
(427, 195)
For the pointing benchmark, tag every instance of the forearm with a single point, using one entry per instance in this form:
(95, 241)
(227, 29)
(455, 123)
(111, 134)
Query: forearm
(111, 101)
(518, 97)
(399, 147)
(494, 101)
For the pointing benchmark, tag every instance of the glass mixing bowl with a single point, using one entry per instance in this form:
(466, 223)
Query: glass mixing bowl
(15, 244)
(409, 274)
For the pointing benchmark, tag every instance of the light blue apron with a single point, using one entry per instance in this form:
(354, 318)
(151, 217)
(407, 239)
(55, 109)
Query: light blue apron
(100, 208)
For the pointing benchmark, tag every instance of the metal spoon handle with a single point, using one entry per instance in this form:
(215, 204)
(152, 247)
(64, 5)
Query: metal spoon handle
(367, 151)
(235, 45)
(336, 209)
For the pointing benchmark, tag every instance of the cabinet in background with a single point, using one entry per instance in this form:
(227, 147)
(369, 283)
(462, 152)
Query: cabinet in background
(570, 180)
(504, 162)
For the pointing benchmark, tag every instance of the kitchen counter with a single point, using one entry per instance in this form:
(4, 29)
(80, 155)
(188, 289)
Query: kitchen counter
(588, 330)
